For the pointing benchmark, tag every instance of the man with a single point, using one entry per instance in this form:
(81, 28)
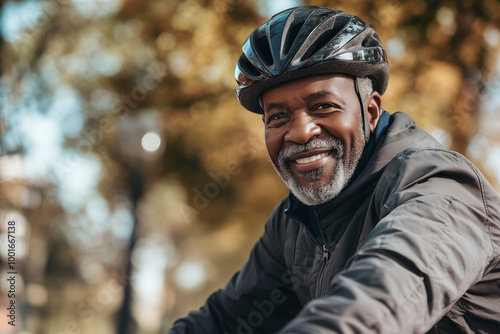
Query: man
(384, 230)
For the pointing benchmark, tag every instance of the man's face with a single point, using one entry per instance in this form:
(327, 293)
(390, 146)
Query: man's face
(314, 135)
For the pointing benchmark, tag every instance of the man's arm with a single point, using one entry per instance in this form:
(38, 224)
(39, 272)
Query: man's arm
(256, 300)
(432, 243)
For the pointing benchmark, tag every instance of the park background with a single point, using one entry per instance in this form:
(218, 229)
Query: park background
(137, 182)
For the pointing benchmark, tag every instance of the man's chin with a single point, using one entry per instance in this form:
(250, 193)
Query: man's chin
(313, 187)
(311, 182)
(310, 196)
(312, 193)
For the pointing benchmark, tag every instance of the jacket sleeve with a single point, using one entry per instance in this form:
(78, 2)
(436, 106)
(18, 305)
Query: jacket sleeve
(253, 300)
(431, 243)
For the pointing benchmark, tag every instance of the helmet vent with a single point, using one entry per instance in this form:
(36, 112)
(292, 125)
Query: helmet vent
(261, 45)
(291, 35)
(247, 67)
(319, 43)
(325, 37)
(369, 41)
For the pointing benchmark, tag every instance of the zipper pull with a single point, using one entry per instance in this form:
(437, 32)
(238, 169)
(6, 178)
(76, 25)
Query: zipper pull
(326, 253)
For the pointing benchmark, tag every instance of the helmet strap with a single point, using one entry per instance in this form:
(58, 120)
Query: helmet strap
(364, 117)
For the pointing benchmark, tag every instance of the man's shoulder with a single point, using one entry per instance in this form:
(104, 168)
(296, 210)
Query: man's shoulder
(404, 130)
(402, 134)
(443, 172)
(433, 157)
(424, 160)
(414, 147)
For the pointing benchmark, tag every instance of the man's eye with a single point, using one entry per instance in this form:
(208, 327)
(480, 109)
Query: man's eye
(276, 116)
(324, 106)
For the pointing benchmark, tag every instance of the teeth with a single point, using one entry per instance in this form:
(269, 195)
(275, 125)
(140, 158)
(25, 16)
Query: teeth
(312, 158)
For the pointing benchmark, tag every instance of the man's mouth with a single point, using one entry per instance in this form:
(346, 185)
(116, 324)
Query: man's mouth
(312, 158)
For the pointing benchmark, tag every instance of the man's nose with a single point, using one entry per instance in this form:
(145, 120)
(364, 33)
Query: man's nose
(302, 129)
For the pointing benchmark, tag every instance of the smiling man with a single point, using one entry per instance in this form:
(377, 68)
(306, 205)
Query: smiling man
(384, 231)
(314, 134)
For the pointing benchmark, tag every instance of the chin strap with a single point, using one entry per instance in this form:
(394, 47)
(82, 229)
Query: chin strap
(364, 117)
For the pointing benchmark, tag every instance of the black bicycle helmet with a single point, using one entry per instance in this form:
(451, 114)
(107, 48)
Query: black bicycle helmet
(305, 41)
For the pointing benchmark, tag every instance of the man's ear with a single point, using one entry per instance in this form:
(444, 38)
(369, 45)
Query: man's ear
(373, 109)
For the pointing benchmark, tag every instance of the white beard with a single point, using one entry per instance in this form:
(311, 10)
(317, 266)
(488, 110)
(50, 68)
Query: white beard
(314, 195)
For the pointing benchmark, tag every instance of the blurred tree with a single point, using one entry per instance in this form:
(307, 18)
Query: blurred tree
(107, 63)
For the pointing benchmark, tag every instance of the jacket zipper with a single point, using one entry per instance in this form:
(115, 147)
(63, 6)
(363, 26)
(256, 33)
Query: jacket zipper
(326, 253)
(326, 250)
(326, 256)
(322, 244)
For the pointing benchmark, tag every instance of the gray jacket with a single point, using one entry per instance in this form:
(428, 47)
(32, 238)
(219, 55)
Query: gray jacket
(411, 246)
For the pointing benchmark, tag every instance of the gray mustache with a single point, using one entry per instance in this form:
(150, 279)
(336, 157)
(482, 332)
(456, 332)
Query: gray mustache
(329, 143)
